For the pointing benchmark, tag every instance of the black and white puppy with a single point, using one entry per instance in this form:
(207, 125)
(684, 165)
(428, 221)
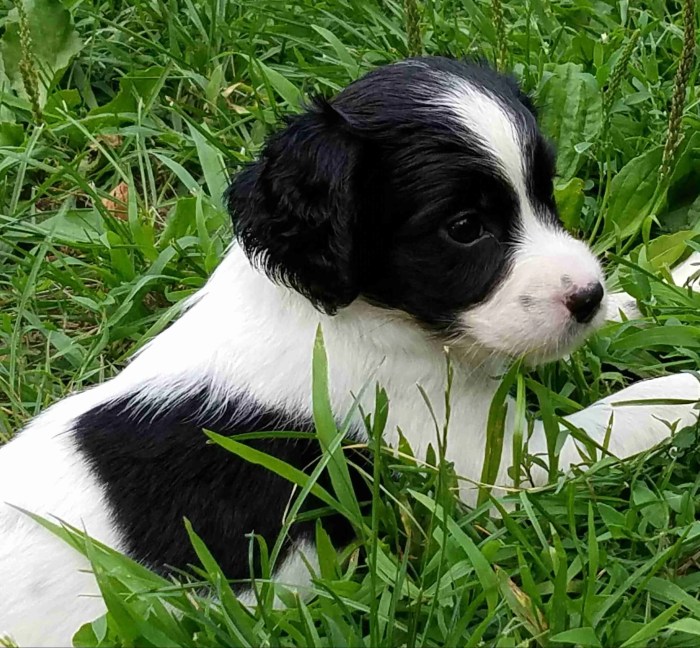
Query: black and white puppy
(412, 212)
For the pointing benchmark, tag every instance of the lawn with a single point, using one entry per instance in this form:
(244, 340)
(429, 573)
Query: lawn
(120, 124)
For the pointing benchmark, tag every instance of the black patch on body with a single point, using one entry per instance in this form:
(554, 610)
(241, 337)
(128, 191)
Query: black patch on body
(157, 467)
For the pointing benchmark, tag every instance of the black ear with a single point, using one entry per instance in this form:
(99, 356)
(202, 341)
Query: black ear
(526, 100)
(294, 210)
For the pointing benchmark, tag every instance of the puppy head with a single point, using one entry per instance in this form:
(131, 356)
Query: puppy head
(425, 187)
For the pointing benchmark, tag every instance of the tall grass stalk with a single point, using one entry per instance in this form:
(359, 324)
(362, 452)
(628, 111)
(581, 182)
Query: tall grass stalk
(414, 38)
(685, 66)
(616, 77)
(501, 39)
(27, 64)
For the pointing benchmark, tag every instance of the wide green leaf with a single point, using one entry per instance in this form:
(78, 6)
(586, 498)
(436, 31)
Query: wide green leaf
(140, 85)
(569, 198)
(584, 636)
(11, 134)
(632, 193)
(689, 626)
(571, 114)
(327, 430)
(55, 42)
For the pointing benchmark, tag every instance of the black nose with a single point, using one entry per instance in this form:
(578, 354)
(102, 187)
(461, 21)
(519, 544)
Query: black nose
(584, 303)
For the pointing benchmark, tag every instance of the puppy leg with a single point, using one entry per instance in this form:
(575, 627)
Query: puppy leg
(633, 419)
(294, 574)
(631, 425)
(619, 304)
(686, 274)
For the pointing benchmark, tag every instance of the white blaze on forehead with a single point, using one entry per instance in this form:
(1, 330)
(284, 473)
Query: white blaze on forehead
(495, 128)
(526, 313)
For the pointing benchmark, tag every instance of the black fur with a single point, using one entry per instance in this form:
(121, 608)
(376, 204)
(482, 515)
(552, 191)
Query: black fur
(295, 208)
(157, 467)
(354, 196)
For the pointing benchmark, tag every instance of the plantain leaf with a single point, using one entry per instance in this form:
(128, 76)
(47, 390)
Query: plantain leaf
(632, 193)
(11, 134)
(668, 248)
(569, 199)
(140, 84)
(571, 114)
(55, 42)
(688, 625)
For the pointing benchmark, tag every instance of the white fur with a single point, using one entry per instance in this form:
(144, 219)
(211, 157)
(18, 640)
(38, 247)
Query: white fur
(688, 272)
(527, 315)
(41, 577)
(484, 115)
(630, 424)
(619, 304)
(242, 332)
(294, 574)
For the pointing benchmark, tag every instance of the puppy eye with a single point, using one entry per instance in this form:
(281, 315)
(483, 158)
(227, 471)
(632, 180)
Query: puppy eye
(466, 228)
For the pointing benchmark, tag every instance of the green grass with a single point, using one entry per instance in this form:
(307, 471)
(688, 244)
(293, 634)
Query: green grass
(167, 98)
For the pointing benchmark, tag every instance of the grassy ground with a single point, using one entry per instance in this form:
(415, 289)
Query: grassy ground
(118, 125)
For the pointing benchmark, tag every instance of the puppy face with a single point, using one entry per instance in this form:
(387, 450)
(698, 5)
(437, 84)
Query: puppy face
(424, 187)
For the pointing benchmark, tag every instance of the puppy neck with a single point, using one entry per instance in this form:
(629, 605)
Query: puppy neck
(244, 334)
